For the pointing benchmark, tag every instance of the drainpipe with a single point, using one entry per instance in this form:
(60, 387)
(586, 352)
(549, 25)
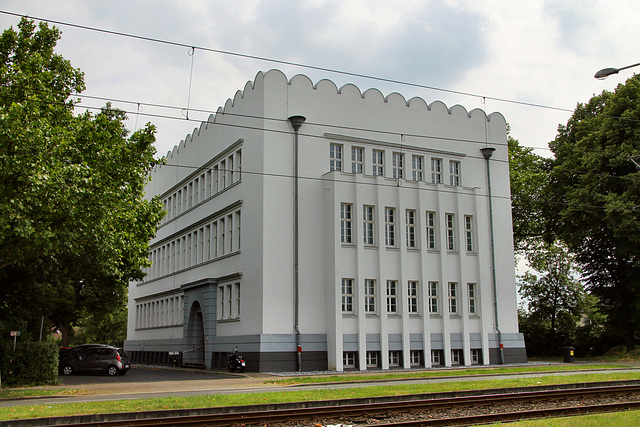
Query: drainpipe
(296, 123)
(487, 152)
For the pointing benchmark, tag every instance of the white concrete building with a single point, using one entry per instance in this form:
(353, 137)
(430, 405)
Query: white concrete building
(360, 235)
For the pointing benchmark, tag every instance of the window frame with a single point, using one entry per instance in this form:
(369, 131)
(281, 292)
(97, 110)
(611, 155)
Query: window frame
(432, 288)
(357, 159)
(417, 171)
(397, 165)
(450, 230)
(378, 162)
(368, 225)
(390, 226)
(346, 223)
(410, 225)
(392, 296)
(468, 232)
(454, 172)
(348, 295)
(472, 296)
(413, 296)
(436, 170)
(370, 296)
(335, 156)
(452, 292)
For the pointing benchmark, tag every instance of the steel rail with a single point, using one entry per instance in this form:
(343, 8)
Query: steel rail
(375, 408)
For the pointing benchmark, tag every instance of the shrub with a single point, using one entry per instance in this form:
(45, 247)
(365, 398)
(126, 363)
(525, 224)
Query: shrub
(31, 364)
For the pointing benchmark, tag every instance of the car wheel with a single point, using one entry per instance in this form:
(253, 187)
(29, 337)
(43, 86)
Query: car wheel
(67, 370)
(112, 371)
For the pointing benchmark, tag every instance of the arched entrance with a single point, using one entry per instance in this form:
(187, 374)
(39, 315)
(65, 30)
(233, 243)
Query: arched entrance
(194, 353)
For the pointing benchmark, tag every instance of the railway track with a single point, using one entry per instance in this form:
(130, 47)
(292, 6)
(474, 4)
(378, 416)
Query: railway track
(480, 409)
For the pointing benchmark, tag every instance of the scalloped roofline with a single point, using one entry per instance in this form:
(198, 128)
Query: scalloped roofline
(323, 84)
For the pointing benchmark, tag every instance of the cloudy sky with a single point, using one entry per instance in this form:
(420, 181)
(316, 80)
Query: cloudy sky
(532, 60)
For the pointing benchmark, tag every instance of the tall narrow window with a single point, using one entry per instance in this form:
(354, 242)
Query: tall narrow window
(357, 160)
(468, 232)
(347, 295)
(346, 223)
(431, 230)
(237, 291)
(378, 162)
(223, 313)
(230, 226)
(471, 294)
(335, 157)
(369, 295)
(368, 224)
(433, 297)
(436, 171)
(392, 296)
(450, 230)
(398, 165)
(230, 170)
(238, 228)
(223, 242)
(454, 172)
(216, 178)
(417, 167)
(390, 226)
(239, 164)
(453, 298)
(411, 228)
(413, 296)
(223, 175)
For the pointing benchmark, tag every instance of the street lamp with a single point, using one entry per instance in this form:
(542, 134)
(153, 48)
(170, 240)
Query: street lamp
(606, 72)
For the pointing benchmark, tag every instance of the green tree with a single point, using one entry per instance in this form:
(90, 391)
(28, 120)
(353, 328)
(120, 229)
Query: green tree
(529, 175)
(74, 223)
(597, 189)
(554, 300)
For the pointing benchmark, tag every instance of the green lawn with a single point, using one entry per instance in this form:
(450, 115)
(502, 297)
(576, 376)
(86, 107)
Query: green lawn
(297, 395)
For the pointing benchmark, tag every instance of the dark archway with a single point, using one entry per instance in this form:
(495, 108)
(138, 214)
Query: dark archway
(194, 353)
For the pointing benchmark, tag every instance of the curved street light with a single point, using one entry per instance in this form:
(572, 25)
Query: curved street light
(606, 72)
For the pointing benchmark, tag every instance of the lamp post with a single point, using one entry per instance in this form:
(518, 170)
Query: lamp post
(606, 72)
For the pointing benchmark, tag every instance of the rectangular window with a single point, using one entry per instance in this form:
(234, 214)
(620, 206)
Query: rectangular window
(433, 297)
(369, 295)
(412, 302)
(347, 295)
(378, 162)
(398, 165)
(450, 229)
(468, 232)
(417, 168)
(453, 298)
(346, 223)
(471, 294)
(436, 357)
(237, 291)
(349, 359)
(476, 356)
(216, 178)
(410, 217)
(335, 157)
(436, 171)
(431, 230)
(395, 358)
(416, 357)
(456, 357)
(239, 164)
(357, 160)
(223, 312)
(238, 228)
(390, 226)
(372, 359)
(454, 172)
(223, 175)
(368, 224)
(392, 296)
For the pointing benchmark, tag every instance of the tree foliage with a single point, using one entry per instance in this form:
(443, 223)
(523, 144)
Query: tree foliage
(554, 299)
(529, 175)
(74, 224)
(597, 190)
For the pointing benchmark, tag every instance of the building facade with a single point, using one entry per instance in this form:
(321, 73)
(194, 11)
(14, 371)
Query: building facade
(316, 227)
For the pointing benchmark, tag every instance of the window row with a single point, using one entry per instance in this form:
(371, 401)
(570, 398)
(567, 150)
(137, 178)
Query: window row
(392, 224)
(416, 358)
(391, 296)
(415, 171)
(229, 301)
(205, 243)
(167, 311)
(208, 183)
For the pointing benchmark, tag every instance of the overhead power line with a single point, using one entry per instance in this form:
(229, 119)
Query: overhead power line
(290, 63)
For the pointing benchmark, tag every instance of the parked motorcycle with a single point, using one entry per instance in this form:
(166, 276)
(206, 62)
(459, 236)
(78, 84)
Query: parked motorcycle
(236, 362)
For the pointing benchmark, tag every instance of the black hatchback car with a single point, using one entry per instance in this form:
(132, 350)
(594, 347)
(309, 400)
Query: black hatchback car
(96, 358)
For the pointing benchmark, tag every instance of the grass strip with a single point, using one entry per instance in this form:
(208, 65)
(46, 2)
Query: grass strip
(435, 373)
(39, 392)
(626, 418)
(220, 400)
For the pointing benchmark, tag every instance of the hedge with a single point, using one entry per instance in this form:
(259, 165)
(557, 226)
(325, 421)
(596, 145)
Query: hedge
(31, 364)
